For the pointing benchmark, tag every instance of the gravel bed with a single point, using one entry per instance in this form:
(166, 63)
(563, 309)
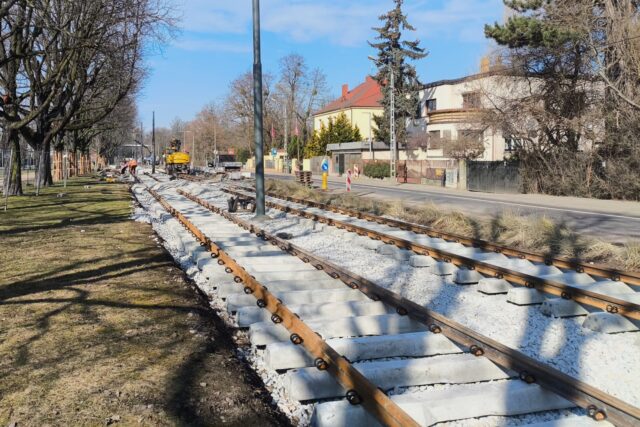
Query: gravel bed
(610, 363)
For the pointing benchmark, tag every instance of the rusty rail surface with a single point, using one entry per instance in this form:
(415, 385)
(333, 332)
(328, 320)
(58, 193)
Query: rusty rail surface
(360, 389)
(151, 176)
(597, 404)
(582, 296)
(628, 277)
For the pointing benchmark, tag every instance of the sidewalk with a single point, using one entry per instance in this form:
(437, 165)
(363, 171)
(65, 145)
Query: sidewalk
(608, 207)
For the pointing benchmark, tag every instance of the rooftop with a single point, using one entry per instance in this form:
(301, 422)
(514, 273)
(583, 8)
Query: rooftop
(366, 95)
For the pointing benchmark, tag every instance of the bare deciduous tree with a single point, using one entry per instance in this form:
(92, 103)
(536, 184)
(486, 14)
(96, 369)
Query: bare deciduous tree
(69, 63)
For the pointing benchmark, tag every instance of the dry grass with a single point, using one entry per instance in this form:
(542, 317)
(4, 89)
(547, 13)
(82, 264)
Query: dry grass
(630, 256)
(539, 234)
(98, 326)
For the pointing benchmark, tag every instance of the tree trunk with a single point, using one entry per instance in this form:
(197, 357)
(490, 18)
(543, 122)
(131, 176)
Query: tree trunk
(13, 174)
(43, 175)
(73, 163)
(86, 163)
(102, 162)
(58, 164)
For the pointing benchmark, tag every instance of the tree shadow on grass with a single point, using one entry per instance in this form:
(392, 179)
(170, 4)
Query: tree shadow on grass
(182, 398)
(112, 271)
(102, 219)
(183, 391)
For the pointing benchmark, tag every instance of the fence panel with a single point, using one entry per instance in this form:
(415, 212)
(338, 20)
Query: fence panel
(421, 172)
(493, 177)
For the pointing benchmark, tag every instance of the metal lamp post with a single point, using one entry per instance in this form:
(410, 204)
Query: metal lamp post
(257, 110)
(153, 142)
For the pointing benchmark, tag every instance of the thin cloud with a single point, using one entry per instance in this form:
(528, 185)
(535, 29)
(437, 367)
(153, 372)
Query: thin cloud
(211, 45)
(343, 23)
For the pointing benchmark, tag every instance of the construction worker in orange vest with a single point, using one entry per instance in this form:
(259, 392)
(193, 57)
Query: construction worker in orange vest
(133, 164)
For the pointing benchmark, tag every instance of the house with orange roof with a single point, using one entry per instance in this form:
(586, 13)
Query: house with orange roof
(361, 105)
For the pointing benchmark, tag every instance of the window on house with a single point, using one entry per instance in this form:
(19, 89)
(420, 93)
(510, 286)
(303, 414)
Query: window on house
(446, 135)
(432, 105)
(435, 141)
(511, 143)
(472, 100)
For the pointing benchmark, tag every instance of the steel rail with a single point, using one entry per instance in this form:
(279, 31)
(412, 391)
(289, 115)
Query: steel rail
(582, 296)
(628, 277)
(151, 176)
(360, 389)
(598, 405)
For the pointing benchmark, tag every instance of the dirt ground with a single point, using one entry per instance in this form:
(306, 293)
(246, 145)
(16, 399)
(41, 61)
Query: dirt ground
(99, 327)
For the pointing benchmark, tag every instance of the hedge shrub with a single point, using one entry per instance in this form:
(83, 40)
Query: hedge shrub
(377, 170)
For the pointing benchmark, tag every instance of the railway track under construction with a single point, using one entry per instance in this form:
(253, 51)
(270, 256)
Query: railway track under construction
(344, 342)
(609, 298)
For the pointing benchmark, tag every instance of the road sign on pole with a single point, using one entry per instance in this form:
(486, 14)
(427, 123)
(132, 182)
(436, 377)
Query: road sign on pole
(325, 174)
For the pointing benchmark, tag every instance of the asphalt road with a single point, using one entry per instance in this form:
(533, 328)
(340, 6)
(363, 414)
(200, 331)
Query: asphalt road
(613, 227)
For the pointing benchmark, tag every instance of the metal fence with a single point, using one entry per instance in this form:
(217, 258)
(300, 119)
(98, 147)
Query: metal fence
(27, 157)
(432, 172)
(27, 161)
(494, 177)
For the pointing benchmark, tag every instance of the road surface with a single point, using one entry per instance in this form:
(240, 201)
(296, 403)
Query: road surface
(612, 220)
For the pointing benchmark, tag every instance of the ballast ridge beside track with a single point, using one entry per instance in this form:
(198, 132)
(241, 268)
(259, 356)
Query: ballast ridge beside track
(610, 304)
(597, 404)
(360, 390)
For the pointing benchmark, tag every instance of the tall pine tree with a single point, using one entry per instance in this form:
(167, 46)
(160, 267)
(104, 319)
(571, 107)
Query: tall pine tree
(395, 53)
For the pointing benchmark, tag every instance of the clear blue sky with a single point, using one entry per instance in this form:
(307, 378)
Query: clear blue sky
(215, 45)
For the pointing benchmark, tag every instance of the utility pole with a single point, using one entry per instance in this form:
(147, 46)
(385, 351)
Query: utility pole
(393, 146)
(153, 142)
(215, 142)
(141, 141)
(286, 138)
(392, 127)
(257, 110)
(193, 148)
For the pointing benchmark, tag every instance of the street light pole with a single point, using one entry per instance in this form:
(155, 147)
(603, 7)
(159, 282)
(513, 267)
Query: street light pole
(153, 142)
(257, 110)
(286, 138)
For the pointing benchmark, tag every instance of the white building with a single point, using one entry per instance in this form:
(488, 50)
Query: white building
(451, 109)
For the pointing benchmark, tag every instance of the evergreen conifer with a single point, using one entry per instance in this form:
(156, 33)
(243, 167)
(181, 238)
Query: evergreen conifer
(395, 53)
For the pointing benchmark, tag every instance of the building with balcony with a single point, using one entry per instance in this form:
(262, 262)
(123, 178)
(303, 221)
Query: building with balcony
(452, 109)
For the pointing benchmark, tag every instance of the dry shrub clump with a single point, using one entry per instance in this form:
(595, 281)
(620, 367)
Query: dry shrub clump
(630, 256)
(533, 233)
